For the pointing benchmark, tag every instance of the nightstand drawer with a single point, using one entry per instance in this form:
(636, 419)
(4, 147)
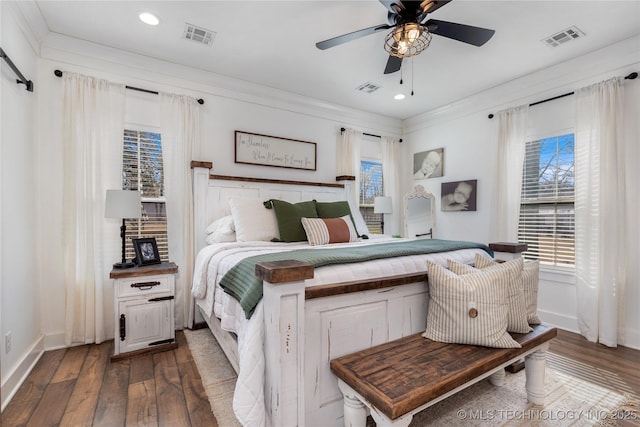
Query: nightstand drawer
(143, 285)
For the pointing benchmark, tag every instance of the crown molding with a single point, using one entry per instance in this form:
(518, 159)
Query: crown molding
(616, 59)
(130, 66)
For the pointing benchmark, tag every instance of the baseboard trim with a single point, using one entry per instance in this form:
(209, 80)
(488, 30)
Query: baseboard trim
(14, 380)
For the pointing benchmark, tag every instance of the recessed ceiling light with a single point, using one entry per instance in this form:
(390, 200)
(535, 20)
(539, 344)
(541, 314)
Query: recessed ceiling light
(149, 18)
(399, 96)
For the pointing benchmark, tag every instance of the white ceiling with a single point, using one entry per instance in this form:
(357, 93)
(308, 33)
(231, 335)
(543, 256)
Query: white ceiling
(272, 43)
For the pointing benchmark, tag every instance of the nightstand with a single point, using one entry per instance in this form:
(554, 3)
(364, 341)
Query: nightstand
(143, 306)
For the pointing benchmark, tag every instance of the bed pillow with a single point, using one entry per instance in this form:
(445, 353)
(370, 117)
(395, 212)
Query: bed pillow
(517, 318)
(253, 222)
(335, 210)
(289, 218)
(221, 230)
(469, 309)
(217, 237)
(322, 231)
(223, 225)
(530, 279)
(361, 225)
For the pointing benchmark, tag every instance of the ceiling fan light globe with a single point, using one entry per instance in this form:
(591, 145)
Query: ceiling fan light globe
(407, 40)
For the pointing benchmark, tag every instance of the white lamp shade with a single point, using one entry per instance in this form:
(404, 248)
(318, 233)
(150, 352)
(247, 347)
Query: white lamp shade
(122, 204)
(382, 205)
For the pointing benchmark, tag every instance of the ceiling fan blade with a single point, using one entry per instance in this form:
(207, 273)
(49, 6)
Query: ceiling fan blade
(464, 33)
(393, 64)
(335, 41)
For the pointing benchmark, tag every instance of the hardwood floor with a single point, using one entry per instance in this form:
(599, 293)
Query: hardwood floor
(80, 386)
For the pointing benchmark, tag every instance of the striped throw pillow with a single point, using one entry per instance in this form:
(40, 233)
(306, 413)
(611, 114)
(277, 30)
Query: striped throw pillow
(517, 318)
(530, 277)
(322, 231)
(469, 309)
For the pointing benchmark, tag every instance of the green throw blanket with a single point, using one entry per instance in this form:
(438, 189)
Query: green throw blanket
(241, 281)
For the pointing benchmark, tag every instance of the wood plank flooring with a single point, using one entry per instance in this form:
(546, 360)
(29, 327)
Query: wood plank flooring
(80, 386)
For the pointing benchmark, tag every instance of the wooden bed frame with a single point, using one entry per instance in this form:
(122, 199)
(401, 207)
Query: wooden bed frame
(306, 328)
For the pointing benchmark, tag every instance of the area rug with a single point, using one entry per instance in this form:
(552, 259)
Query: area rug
(576, 395)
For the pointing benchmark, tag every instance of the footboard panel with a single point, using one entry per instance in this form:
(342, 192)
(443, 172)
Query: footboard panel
(341, 324)
(302, 335)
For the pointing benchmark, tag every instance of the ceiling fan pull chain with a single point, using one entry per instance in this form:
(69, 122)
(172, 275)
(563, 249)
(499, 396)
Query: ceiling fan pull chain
(400, 75)
(411, 76)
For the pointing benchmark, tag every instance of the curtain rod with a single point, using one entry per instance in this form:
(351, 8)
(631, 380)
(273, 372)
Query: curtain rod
(368, 134)
(22, 79)
(631, 76)
(58, 73)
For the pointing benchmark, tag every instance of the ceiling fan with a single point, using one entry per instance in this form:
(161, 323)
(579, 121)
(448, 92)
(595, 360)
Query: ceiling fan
(411, 31)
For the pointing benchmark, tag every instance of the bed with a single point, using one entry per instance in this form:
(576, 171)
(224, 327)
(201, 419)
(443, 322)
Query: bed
(307, 316)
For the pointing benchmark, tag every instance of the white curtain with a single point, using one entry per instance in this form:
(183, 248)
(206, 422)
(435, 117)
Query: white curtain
(511, 135)
(390, 161)
(600, 211)
(180, 140)
(348, 153)
(93, 119)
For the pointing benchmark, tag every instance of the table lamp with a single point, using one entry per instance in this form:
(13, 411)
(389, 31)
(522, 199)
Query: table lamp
(382, 205)
(122, 204)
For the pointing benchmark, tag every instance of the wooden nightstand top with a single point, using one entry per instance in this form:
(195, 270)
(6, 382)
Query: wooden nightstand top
(146, 270)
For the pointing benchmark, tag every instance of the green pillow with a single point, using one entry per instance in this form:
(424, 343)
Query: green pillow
(289, 217)
(335, 210)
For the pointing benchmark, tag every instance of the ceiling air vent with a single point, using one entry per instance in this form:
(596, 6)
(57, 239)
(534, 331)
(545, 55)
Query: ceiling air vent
(562, 37)
(368, 87)
(199, 34)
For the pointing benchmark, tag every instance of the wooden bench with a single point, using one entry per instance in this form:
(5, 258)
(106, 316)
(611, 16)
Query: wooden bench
(395, 380)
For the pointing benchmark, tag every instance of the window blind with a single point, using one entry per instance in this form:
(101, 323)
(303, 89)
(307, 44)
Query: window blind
(370, 188)
(547, 221)
(143, 170)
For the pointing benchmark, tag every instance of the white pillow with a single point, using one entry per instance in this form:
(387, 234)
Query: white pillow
(530, 276)
(517, 318)
(361, 225)
(469, 309)
(217, 237)
(223, 225)
(253, 222)
(322, 231)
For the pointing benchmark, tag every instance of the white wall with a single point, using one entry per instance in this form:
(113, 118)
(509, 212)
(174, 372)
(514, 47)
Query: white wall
(19, 253)
(470, 142)
(225, 110)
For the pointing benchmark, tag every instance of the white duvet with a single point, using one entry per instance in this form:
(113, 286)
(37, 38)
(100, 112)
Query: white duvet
(214, 261)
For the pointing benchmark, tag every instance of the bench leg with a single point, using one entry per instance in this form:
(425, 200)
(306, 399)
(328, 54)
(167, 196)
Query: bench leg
(497, 378)
(382, 420)
(355, 413)
(534, 366)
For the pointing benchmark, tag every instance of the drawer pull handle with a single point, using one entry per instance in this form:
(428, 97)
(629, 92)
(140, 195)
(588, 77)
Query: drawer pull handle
(161, 299)
(145, 286)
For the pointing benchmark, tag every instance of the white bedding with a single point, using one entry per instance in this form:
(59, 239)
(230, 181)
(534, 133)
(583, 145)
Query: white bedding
(214, 261)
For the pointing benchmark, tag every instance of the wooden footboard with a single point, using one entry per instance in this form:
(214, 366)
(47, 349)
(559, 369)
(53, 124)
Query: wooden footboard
(306, 328)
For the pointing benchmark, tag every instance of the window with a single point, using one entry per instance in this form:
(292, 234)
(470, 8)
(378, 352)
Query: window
(142, 169)
(547, 222)
(370, 188)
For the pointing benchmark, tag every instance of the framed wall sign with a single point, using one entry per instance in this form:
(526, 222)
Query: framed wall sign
(265, 150)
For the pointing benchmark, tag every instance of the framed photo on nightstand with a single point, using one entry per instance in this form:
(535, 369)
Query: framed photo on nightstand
(146, 251)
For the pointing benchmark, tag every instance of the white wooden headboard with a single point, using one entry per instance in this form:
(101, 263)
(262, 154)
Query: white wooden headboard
(211, 194)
